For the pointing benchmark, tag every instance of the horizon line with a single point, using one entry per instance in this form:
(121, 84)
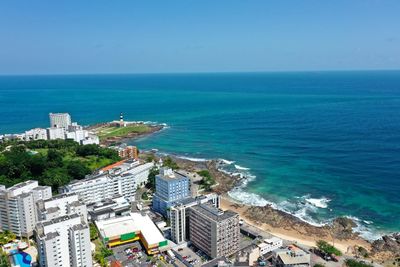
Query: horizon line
(195, 72)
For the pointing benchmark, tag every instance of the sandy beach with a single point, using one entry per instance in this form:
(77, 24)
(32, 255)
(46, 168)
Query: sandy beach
(346, 246)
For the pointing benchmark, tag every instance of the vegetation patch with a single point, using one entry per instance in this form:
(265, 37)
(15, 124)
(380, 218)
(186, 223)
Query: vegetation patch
(355, 263)
(114, 131)
(170, 163)
(54, 163)
(207, 181)
(328, 248)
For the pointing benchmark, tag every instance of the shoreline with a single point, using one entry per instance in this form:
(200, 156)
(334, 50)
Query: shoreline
(113, 140)
(285, 225)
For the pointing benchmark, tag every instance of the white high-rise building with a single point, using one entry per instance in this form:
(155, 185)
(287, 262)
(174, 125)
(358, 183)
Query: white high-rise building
(60, 120)
(18, 209)
(122, 179)
(64, 241)
(55, 133)
(61, 205)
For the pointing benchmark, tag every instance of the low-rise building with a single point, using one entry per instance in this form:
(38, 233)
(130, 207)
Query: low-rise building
(127, 152)
(108, 208)
(291, 256)
(130, 228)
(214, 231)
(270, 244)
(36, 134)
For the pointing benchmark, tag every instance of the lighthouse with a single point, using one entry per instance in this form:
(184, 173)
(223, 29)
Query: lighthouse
(121, 120)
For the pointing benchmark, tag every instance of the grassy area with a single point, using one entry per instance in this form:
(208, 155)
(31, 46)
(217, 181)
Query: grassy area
(112, 131)
(328, 248)
(355, 263)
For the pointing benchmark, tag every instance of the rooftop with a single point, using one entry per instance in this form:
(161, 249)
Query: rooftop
(135, 222)
(61, 196)
(59, 219)
(170, 175)
(213, 213)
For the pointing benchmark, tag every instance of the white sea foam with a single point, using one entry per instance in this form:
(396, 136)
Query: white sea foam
(192, 159)
(319, 202)
(238, 167)
(365, 229)
(227, 162)
(248, 198)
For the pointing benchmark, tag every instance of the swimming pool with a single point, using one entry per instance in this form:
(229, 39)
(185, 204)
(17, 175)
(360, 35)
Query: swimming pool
(21, 258)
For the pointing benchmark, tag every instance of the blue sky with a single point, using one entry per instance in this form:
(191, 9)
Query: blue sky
(56, 37)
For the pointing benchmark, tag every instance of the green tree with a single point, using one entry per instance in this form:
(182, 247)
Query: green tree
(151, 183)
(93, 231)
(355, 263)
(328, 248)
(168, 162)
(4, 262)
(77, 170)
(54, 158)
(207, 180)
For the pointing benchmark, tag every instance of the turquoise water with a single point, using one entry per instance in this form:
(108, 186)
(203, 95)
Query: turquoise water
(317, 144)
(22, 259)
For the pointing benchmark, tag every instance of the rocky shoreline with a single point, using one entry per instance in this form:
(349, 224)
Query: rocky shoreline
(340, 230)
(119, 139)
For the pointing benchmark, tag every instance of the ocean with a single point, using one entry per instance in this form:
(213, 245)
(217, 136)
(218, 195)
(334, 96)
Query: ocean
(315, 144)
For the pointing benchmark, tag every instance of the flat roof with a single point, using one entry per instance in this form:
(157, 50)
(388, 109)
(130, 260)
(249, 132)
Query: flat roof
(133, 222)
(289, 259)
(213, 213)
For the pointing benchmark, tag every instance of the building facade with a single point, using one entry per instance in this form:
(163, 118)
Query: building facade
(122, 179)
(179, 215)
(54, 133)
(214, 231)
(61, 205)
(60, 120)
(171, 186)
(36, 134)
(55, 235)
(18, 212)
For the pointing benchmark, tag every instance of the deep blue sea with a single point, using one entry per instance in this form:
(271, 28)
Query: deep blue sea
(315, 144)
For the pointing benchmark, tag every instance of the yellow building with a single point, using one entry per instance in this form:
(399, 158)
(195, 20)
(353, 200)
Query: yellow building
(130, 228)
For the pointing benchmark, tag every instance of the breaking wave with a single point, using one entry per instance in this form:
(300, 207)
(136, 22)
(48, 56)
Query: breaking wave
(241, 168)
(319, 202)
(193, 159)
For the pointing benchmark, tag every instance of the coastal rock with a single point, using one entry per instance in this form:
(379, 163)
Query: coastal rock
(342, 228)
(388, 243)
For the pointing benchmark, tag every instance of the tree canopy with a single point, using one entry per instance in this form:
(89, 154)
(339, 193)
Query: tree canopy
(54, 163)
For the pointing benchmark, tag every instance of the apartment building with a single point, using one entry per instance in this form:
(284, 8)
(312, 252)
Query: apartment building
(36, 134)
(54, 133)
(122, 179)
(17, 206)
(62, 120)
(214, 231)
(179, 215)
(61, 205)
(171, 186)
(64, 241)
